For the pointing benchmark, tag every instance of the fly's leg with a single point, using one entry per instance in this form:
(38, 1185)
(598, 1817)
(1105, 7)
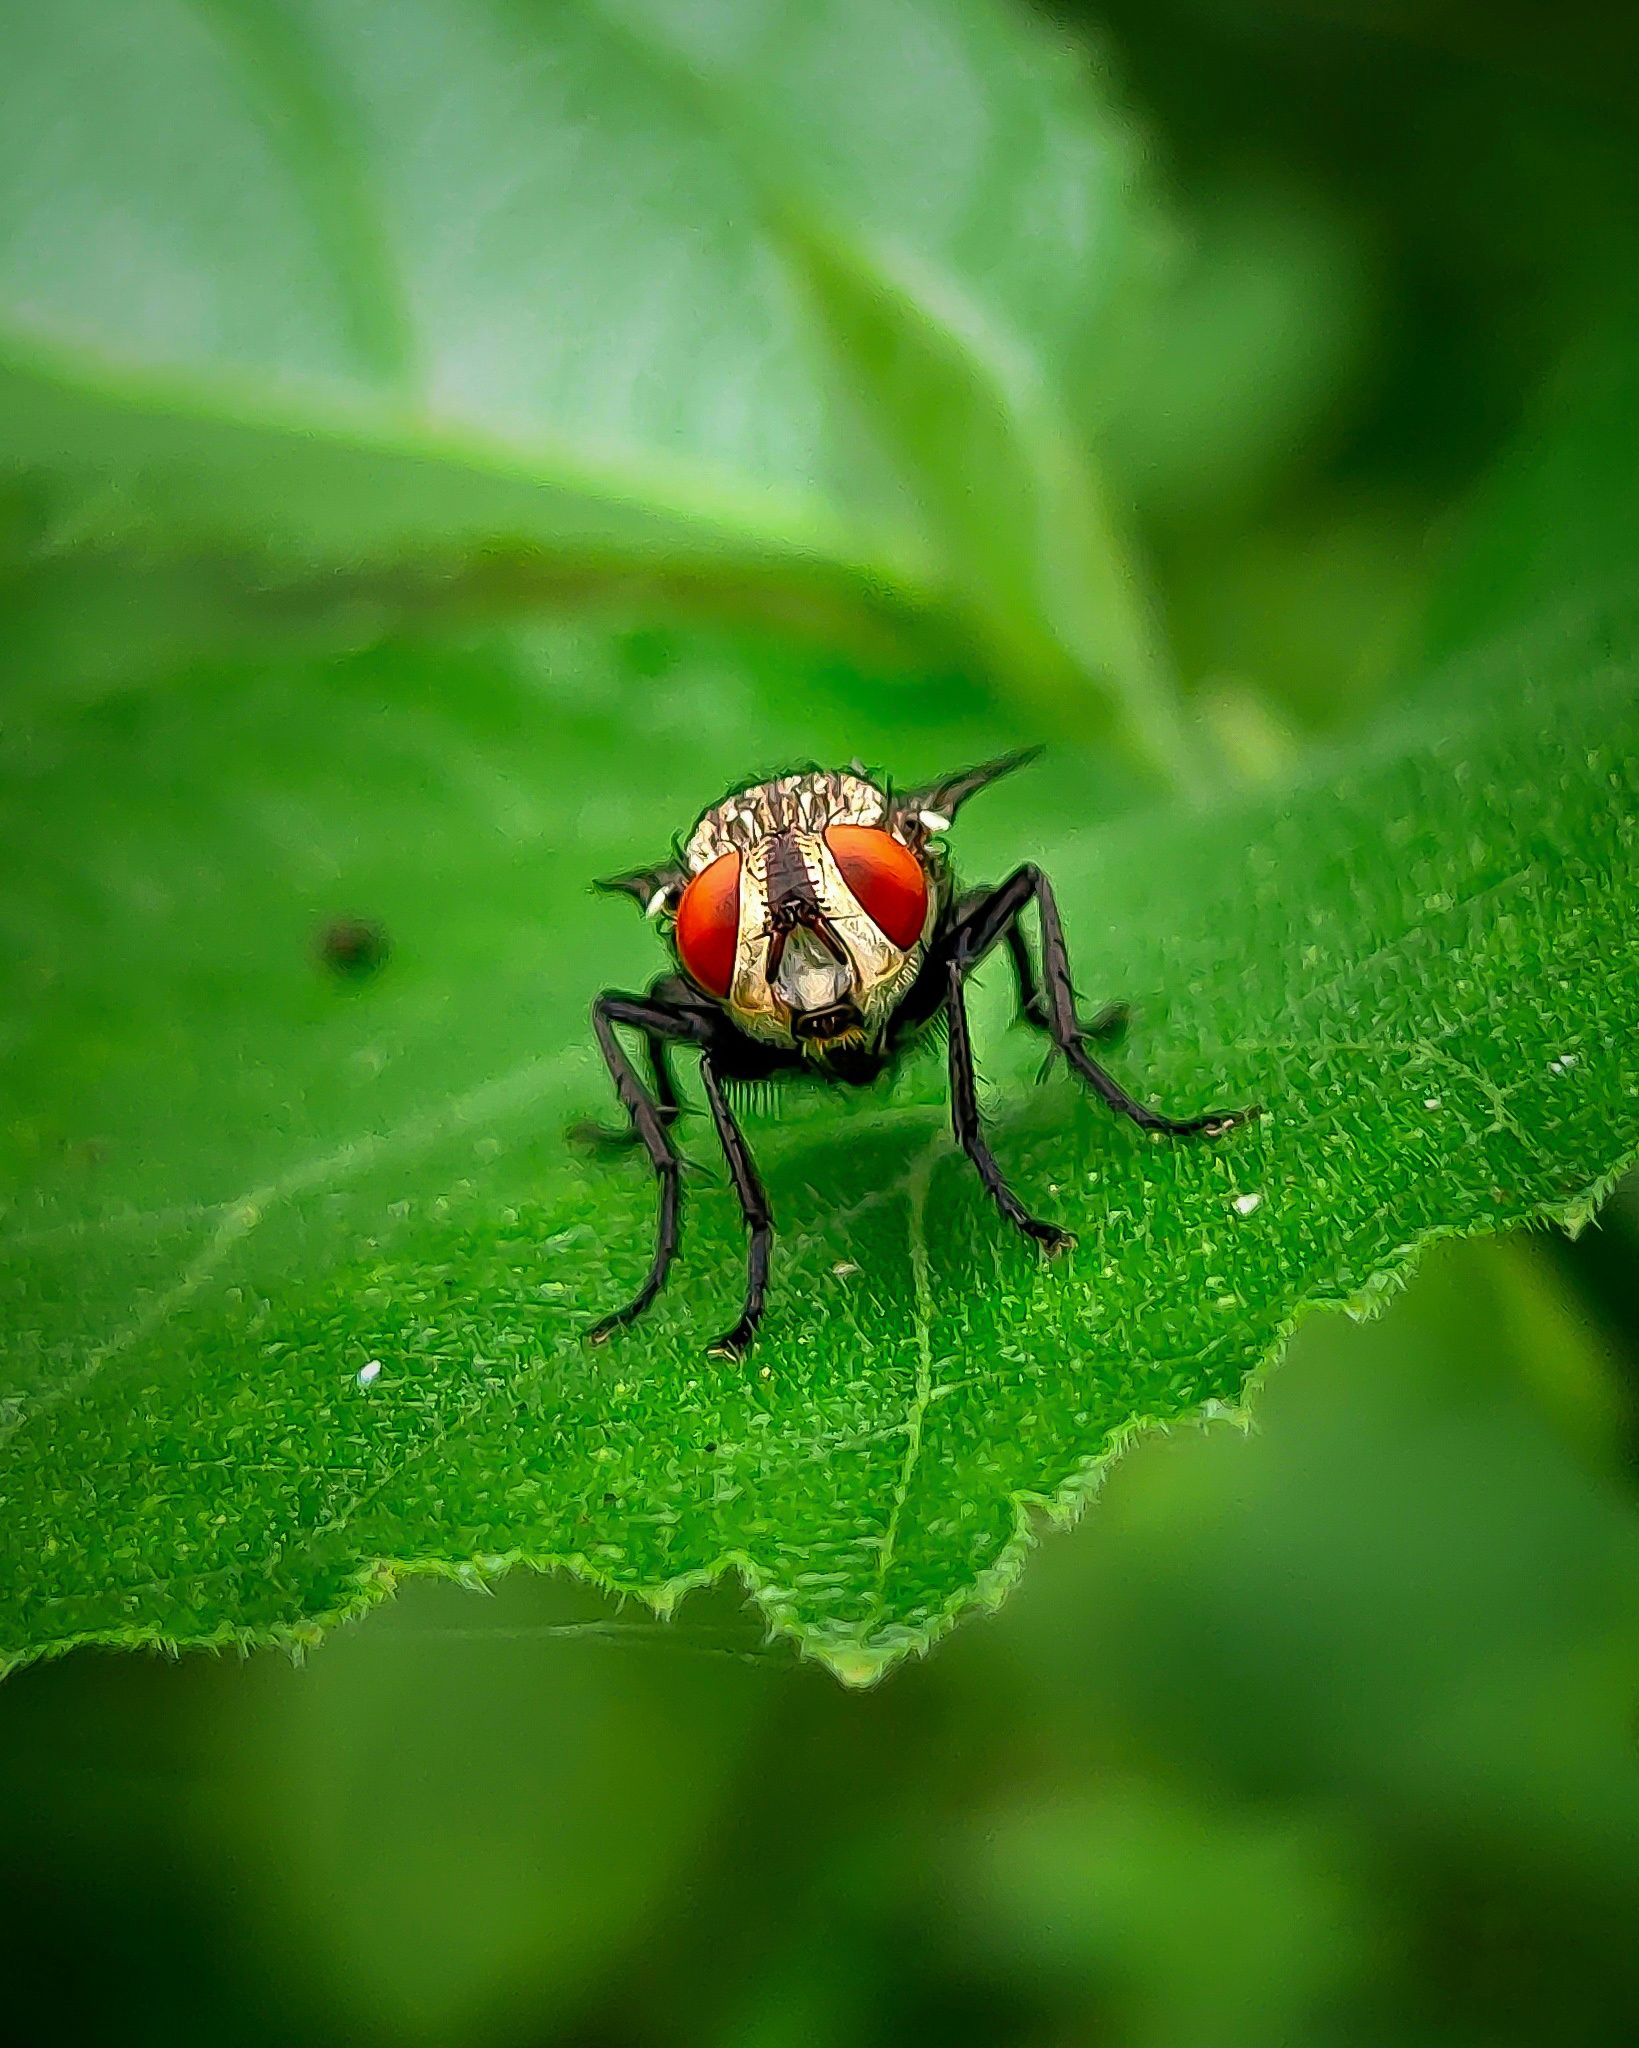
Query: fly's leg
(1110, 1022)
(753, 1206)
(650, 1123)
(996, 916)
(1061, 998)
(965, 1121)
(600, 1137)
(667, 1105)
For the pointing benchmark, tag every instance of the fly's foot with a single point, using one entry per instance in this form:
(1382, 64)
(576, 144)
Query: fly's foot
(1216, 1123)
(1231, 1120)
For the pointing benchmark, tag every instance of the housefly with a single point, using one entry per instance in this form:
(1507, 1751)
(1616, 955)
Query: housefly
(818, 929)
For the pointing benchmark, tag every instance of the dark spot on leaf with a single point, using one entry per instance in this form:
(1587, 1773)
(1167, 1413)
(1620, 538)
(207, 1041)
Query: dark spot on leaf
(353, 948)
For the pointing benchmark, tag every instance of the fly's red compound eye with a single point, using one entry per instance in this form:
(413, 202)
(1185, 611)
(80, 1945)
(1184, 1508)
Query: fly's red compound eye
(886, 879)
(708, 924)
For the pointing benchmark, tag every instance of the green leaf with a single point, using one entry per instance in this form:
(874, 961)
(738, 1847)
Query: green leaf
(1264, 327)
(239, 1183)
(556, 1802)
(733, 303)
(1555, 531)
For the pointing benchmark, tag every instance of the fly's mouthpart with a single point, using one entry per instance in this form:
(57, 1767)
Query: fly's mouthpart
(812, 973)
(842, 1024)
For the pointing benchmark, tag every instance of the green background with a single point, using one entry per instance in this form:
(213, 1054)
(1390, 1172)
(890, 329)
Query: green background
(1285, 482)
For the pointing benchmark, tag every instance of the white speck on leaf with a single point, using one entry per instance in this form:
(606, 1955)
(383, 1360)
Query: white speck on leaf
(1245, 1204)
(370, 1372)
(1432, 1102)
(1565, 1061)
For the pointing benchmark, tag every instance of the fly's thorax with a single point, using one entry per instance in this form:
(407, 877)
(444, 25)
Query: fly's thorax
(793, 803)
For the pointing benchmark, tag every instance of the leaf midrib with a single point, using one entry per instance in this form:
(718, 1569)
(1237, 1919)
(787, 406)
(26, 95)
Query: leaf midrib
(765, 522)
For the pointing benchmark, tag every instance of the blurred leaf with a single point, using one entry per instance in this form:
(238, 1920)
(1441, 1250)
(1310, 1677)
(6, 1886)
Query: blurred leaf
(1556, 529)
(776, 310)
(1403, 1584)
(1265, 327)
(465, 1842)
(1565, 1358)
(450, 1826)
(1315, 610)
(238, 1186)
(1195, 1924)
(1346, 1706)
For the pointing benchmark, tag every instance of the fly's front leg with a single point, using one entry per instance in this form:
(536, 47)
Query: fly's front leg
(753, 1206)
(667, 1105)
(671, 995)
(1061, 1001)
(657, 1022)
(997, 916)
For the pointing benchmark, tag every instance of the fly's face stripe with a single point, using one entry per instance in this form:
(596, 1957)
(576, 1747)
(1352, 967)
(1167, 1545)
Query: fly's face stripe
(880, 971)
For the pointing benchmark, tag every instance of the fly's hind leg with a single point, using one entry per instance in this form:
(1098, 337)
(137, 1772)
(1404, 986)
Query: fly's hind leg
(1061, 1001)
